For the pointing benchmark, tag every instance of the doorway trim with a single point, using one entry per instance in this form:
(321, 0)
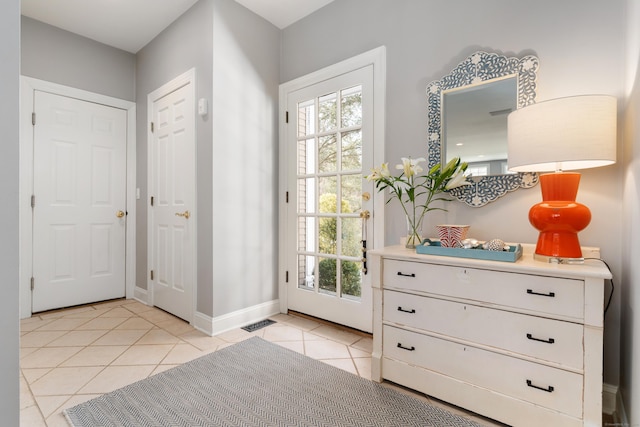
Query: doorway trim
(377, 58)
(27, 87)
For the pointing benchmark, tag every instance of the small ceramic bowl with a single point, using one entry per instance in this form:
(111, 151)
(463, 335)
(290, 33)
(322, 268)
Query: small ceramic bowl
(451, 235)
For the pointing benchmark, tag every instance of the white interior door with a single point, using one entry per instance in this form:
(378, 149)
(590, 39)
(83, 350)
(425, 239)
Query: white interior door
(79, 214)
(172, 190)
(330, 144)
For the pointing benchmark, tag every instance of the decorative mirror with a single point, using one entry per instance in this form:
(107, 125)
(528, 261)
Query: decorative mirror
(468, 111)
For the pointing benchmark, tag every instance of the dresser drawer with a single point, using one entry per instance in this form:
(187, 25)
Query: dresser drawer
(546, 295)
(546, 339)
(528, 381)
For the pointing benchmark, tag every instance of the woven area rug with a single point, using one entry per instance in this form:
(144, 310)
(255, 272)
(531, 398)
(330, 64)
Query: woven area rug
(257, 383)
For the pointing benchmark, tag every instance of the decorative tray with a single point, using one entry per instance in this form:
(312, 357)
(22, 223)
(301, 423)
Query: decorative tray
(432, 247)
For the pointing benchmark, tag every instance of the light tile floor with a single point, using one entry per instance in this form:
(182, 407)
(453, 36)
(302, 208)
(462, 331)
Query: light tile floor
(73, 355)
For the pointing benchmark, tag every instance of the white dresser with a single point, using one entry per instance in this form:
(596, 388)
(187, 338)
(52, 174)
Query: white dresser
(517, 342)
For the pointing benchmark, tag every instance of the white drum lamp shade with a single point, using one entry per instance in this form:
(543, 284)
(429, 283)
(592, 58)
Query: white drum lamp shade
(578, 132)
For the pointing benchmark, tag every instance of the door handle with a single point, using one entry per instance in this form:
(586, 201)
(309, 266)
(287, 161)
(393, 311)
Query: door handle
(120, 214)
(364, 215)
(184, 214)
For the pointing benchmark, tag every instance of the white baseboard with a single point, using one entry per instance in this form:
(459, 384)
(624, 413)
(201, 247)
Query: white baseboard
(141, 295)
(612, 404)
(237, 319)
(203, 323)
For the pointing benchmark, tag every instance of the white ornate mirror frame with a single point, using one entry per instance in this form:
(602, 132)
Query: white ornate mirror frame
(479, 68)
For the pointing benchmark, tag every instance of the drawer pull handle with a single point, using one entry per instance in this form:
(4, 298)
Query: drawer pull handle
(412, 348)
(548, 389)
(550, 294)
(548, 341)
(413, 310)
(400, 273)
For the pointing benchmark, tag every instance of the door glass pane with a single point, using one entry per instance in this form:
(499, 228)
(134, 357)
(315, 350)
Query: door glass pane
(327, 112)
(328, 194)
(306, 118)
(306, 156)
(307, 195)
(351, 106)
(327, 154)
(328, 236)
(351, 278)
(307, 234)
(306, 271)
(327, 275)
(351, 233)
(351, 192)
(352, 150)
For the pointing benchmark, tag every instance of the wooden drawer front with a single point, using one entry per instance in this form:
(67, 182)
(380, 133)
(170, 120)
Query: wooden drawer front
(549, 295)
(539, 384)
(546, 339)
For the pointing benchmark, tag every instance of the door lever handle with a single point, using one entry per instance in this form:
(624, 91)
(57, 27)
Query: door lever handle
(184, 214)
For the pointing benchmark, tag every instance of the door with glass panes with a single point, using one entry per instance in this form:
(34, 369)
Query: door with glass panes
(330, 130)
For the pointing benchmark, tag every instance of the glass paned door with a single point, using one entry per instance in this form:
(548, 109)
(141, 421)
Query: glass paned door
(332, 137)
(329, 192)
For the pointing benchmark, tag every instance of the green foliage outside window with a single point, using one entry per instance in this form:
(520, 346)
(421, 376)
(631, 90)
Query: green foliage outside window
(328, 234)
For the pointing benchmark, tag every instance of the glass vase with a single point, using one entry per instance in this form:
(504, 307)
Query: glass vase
(414, 232)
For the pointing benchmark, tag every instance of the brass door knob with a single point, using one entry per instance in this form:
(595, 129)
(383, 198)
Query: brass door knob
(120, 214)
(184, 214)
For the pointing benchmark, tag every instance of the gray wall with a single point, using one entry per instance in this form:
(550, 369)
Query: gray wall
(58, 56)
(236, 55)
(185, 44)
(630, 289)
(581, 49)
(245, 109)
(9, 103)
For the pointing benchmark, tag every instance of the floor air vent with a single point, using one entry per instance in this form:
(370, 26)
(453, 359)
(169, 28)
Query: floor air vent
(258, 325)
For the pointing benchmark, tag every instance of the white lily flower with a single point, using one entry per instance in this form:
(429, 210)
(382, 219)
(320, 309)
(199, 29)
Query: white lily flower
(379, 173)
(384, 170)
(411, 166)
(374, 175)
(457, 180)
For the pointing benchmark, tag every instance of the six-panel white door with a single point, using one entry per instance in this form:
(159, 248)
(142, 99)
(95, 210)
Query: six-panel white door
(172, 187)
(79, 217)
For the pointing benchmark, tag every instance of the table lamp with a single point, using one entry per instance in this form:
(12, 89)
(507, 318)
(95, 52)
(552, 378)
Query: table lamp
(571, 133)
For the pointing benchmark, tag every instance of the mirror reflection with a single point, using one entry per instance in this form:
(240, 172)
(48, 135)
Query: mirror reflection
(475, 124)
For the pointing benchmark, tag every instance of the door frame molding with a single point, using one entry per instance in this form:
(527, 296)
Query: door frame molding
(377, 58)
(186, 78)
(28, 86)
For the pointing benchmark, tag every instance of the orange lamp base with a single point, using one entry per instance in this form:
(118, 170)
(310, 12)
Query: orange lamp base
(559, 218)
